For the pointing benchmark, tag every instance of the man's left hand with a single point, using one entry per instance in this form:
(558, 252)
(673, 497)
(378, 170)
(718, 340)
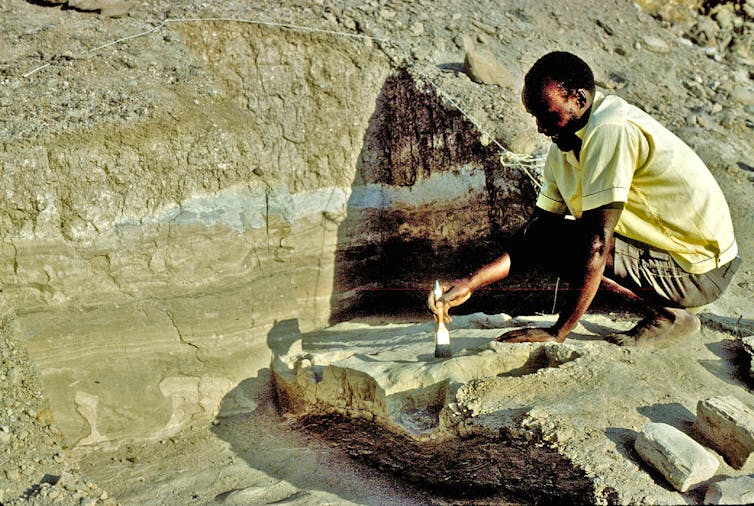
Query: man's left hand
(531, 335)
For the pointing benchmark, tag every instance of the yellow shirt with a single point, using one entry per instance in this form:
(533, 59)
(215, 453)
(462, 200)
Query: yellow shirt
(671, 200)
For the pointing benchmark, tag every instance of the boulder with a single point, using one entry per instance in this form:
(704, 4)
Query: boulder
(483, 68)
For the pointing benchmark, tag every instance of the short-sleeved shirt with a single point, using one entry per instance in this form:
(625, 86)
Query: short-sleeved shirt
(671, 200)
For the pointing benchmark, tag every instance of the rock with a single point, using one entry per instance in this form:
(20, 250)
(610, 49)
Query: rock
(483, 68)
(116, 9)
(743, 95)
(681, 460)
(265, 494)
(460, 41)
(656, 44)
(725, 16)
(387, 13)
(729, 426)
(738, 490)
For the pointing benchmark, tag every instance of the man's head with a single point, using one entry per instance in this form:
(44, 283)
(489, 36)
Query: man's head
(558, 92)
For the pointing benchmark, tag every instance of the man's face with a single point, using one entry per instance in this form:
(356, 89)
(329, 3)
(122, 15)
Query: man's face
(558, 115)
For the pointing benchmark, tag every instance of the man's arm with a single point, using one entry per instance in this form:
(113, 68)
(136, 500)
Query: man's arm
(457, 292)
(598, 227)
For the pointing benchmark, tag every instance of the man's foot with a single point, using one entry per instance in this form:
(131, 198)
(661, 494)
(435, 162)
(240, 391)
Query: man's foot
(670, 325)
(530, 335)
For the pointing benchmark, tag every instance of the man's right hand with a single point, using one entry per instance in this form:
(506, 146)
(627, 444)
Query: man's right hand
(453, 294)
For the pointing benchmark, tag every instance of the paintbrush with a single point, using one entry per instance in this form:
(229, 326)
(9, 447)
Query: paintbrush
(442, 336)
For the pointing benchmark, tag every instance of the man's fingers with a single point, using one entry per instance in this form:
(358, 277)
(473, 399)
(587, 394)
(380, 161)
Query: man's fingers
(446, 302)
(459, 301)
(445, 316)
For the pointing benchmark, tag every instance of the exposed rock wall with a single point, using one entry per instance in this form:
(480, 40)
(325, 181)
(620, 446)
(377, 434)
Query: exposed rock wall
(286, 176)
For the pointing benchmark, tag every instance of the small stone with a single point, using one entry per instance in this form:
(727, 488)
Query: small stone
(387, 13)
(681, 460)
(417, 29)
(705, 121)
(744, 95)
(116, 9)
(459, 41)
(738, 490)
(656, 44)
(729, 426)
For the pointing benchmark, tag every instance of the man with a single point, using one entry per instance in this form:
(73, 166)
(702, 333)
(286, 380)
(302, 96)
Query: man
(651, 224)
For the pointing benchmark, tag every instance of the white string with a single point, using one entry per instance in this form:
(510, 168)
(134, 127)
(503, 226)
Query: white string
(112, 43)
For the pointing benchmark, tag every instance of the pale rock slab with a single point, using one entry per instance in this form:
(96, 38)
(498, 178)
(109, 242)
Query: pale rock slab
(738, 490)
(681, 460)
(729, 426)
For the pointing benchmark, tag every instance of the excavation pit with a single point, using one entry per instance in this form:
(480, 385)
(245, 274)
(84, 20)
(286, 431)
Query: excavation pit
(389, 373)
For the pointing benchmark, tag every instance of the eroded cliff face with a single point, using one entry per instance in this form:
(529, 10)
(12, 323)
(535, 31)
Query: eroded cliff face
(279, 175)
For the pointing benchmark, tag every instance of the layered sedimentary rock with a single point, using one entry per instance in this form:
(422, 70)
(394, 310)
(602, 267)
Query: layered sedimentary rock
(283, 176)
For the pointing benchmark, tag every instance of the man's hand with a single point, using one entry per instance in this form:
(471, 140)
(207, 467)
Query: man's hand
(531, 335)
(453, 294)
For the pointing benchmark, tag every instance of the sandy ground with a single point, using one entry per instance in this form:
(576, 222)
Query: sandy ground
(260, 456)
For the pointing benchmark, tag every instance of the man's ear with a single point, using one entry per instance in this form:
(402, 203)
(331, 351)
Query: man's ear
(581, 97)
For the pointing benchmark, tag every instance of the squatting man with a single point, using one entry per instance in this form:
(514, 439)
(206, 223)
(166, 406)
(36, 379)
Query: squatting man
(651, 223)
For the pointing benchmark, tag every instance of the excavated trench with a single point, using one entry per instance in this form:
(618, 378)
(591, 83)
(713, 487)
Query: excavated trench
(398, 408)
(310, 180)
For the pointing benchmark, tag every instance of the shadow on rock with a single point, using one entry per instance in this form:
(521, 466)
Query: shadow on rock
(673, 414)
(733, 365)
(623, 439)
